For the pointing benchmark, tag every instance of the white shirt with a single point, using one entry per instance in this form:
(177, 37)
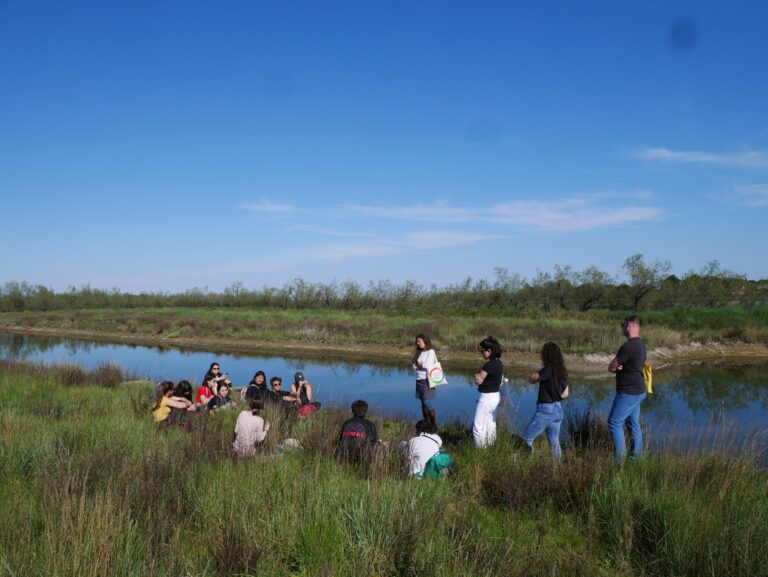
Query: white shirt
(426, 359)
(421, 449)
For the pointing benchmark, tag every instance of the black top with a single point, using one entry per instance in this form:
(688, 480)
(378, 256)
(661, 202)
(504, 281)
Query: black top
(218, 403)
(275, 397)
(631, 355)
(255, 391)
(357, 434)
(494, 370)
(302, 390)
(550, 386)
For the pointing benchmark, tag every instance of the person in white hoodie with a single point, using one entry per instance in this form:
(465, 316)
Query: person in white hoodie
(421, 448)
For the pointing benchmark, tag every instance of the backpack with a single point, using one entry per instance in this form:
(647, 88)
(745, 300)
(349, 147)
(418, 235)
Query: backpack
(648, 377)
(437, 467)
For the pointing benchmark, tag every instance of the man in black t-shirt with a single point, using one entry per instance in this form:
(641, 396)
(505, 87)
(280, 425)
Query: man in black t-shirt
(358, 435)
(630, 391)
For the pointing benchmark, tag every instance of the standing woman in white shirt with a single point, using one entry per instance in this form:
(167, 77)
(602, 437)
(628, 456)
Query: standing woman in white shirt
(424, 357)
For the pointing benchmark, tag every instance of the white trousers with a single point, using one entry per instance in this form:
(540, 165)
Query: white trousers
(484, 427)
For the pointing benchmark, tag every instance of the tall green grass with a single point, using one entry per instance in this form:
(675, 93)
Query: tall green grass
(89, 487)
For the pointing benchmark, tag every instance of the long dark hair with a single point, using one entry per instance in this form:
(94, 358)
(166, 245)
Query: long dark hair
(416, 350)
(184, 390)
(552, 357)
(253, 380)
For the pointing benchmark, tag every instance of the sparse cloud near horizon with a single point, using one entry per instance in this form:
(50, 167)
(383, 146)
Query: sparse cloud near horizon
(266, 206)
(571, 214)
(413, 241)
(745, 159)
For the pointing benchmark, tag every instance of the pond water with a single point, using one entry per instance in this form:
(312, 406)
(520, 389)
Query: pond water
(692, 405)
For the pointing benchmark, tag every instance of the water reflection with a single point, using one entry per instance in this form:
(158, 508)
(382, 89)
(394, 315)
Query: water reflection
(692, 398)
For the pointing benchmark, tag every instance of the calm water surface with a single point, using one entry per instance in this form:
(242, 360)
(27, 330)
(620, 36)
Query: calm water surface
(691, 406)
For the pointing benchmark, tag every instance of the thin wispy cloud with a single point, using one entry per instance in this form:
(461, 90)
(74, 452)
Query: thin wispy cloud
(421, 211)
(564, 218)
(317, 230)
(752, 195)
(570, 214)
(266, 206)
(421, 241)
(745, 159)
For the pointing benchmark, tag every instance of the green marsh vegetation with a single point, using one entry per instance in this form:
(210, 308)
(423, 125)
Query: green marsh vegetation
(89, 487)
(522, 331)
(577, 309)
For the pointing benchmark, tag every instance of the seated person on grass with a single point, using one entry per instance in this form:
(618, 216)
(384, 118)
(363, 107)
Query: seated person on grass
(257, 387)
(218, 377)
(277, 396)
(421, 448)
(301, 389)
(222, 399)
(205, 393)
(166, 402)
(250, 430)
(358, 435)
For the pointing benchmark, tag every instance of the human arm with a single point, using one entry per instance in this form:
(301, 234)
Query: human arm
(615, 365)
(535, 378)
(480, 377)
(178, 403)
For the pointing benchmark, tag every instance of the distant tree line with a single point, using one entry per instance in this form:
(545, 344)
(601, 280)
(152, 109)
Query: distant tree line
(642, 285)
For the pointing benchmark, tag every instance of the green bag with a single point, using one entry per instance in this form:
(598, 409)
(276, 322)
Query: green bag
(437, 467)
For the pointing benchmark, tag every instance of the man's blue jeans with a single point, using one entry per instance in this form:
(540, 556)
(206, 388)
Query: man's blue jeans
(626, 408)
(548, 417)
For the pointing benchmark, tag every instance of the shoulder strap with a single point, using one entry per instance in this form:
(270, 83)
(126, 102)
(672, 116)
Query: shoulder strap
(430, 438)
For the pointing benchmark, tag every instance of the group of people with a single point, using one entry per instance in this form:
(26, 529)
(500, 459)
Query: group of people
(174, 402)
(553, 387)
(358, 435)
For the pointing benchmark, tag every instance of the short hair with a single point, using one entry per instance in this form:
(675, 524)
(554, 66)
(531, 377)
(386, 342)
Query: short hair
(634, 319)
(359, 408)
(274, 380)
(489, 343)
(426, 426)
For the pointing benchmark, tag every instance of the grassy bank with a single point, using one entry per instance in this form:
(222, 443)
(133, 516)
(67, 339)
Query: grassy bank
(89, 487)
(519, 331)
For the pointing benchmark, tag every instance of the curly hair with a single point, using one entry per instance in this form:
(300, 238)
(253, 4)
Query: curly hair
(490, 343)
(552, 357)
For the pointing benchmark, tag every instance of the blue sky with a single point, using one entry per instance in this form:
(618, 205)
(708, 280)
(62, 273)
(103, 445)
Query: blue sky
(169, 145)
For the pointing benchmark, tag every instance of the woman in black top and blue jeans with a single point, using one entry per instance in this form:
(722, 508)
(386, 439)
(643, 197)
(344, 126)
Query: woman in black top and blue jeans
(553, 381)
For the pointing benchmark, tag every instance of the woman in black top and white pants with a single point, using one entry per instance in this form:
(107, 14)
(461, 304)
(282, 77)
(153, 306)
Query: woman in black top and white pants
(553, 384)
(488, 382)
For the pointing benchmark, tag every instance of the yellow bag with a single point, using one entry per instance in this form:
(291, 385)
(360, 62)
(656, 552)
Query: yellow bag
(648, 377)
